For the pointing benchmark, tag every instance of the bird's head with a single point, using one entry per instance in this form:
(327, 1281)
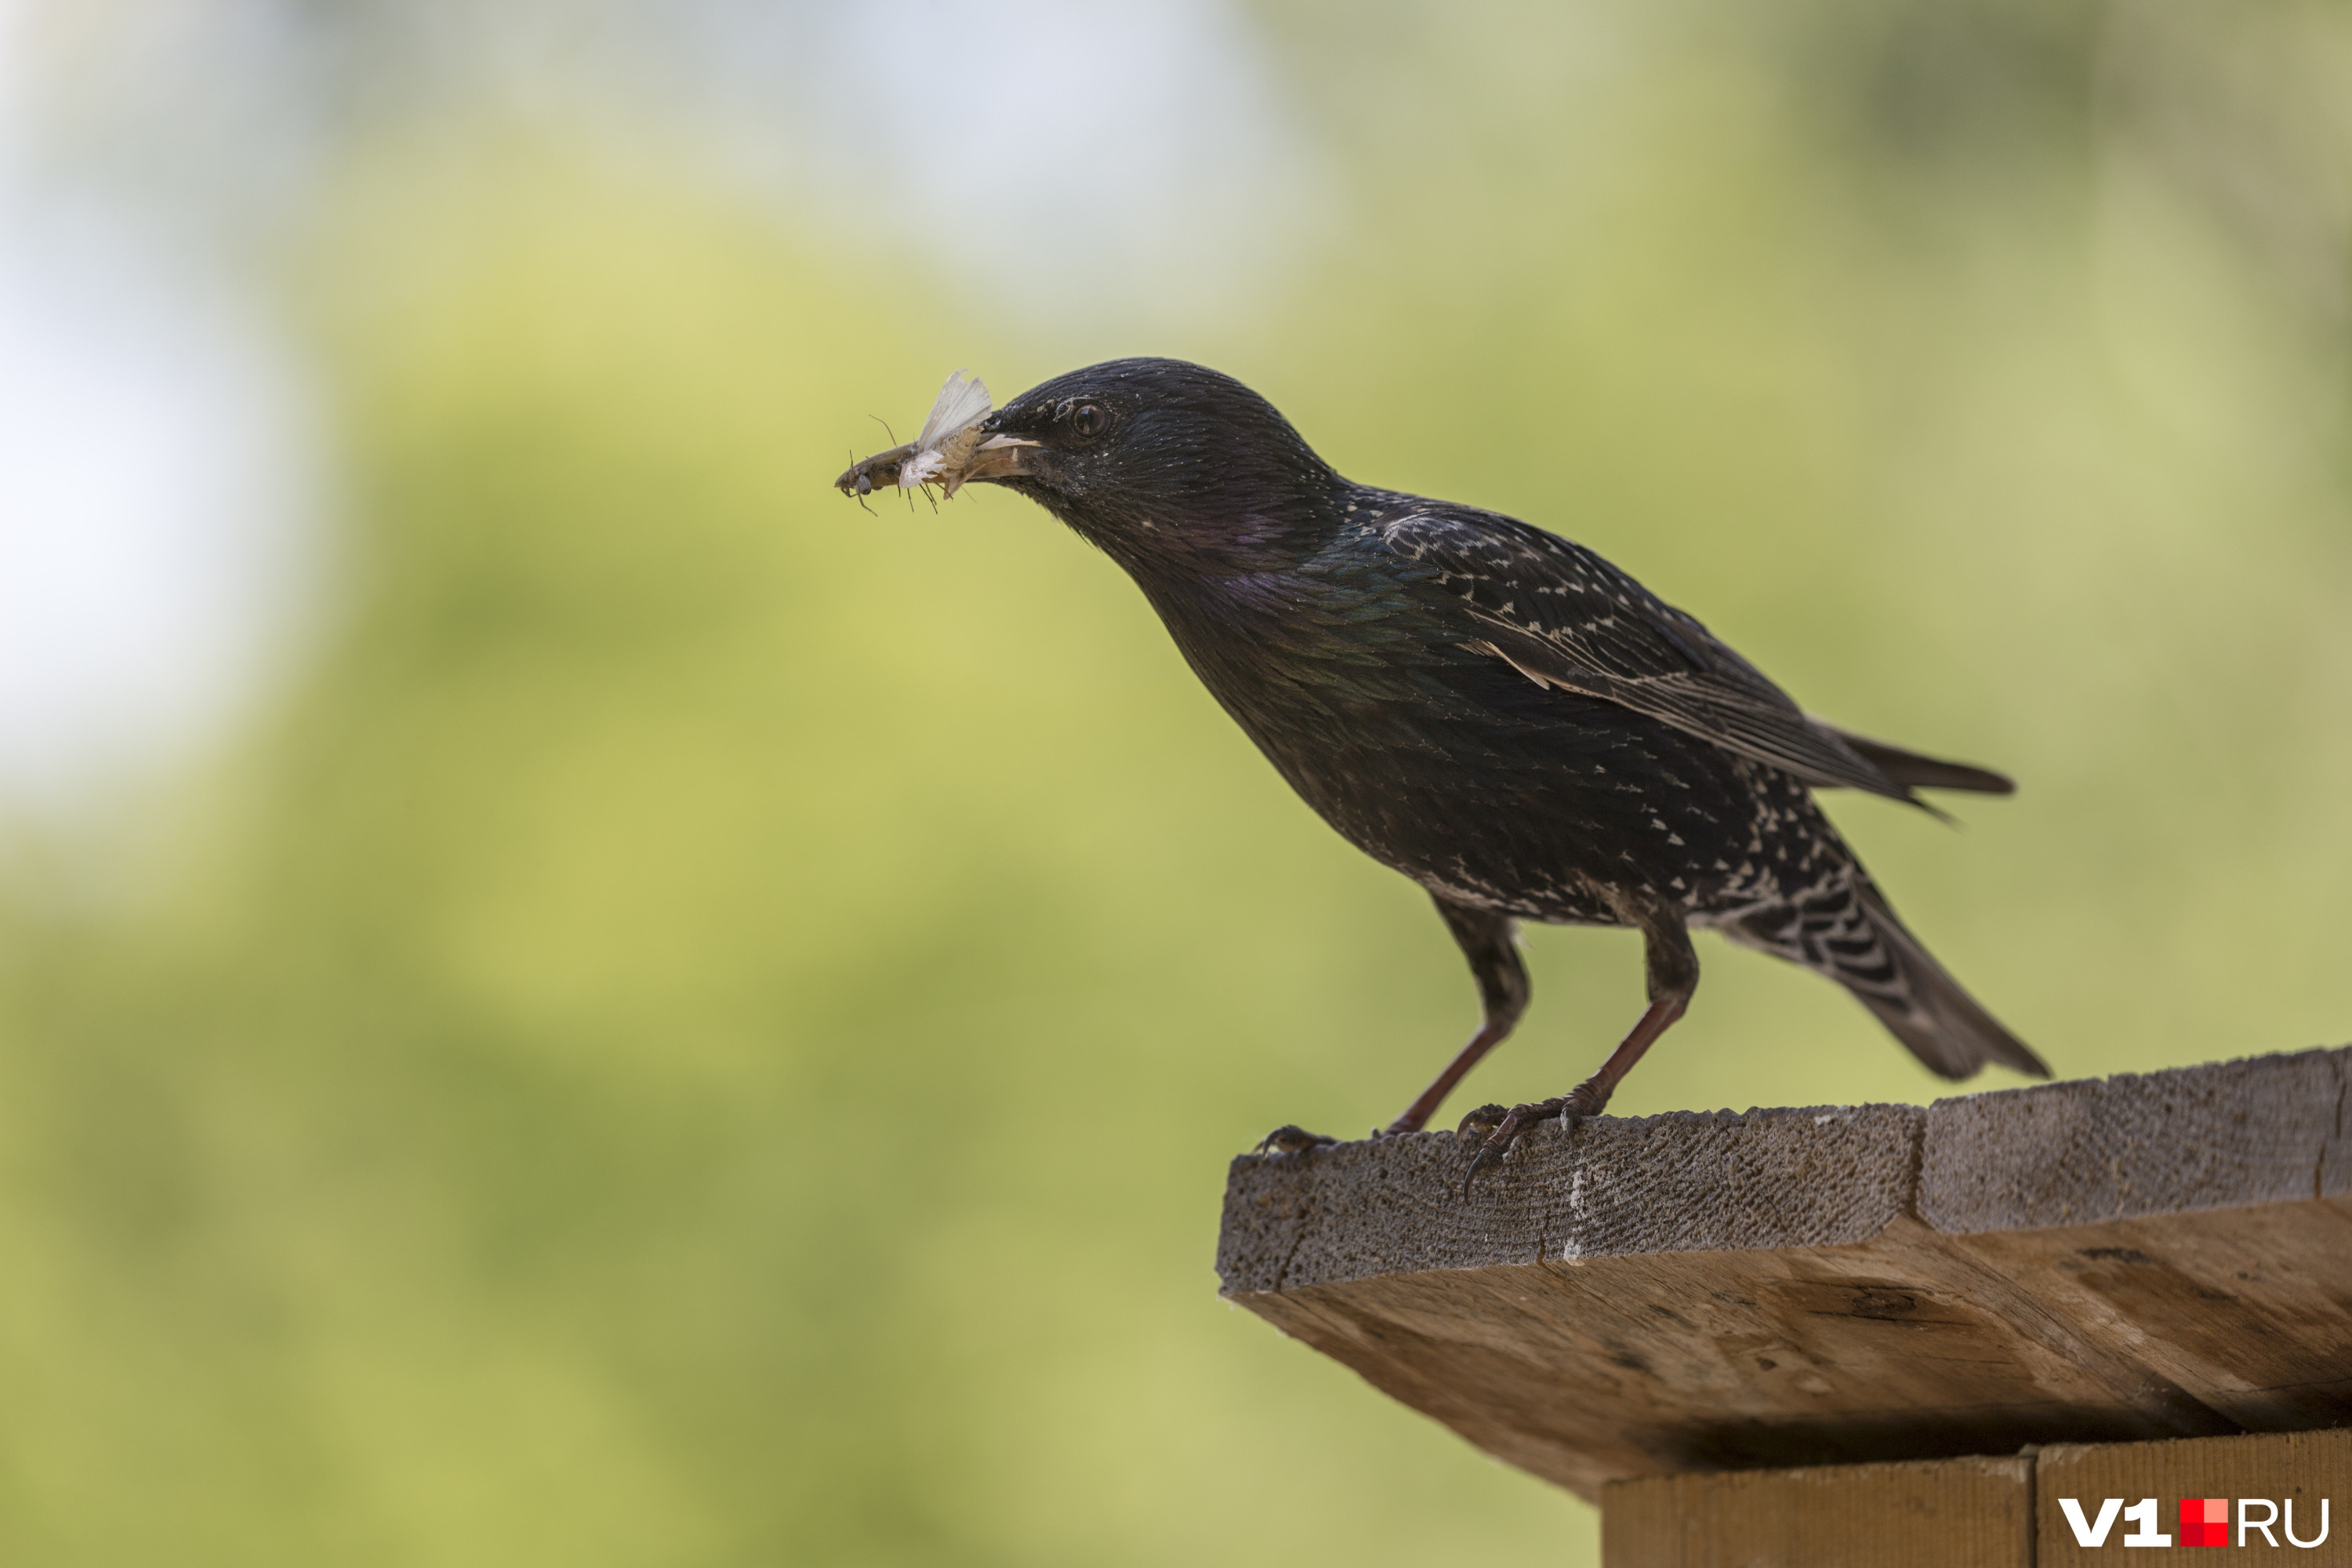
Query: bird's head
(1166, 464)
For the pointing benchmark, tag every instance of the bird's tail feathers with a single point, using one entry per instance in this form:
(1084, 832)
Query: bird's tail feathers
(1912, 770)
(1944, 1027)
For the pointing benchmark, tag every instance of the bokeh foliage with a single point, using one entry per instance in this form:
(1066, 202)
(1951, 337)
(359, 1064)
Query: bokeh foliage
(707, 1026)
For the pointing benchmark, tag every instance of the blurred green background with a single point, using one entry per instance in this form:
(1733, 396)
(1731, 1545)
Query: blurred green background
(688, 1023)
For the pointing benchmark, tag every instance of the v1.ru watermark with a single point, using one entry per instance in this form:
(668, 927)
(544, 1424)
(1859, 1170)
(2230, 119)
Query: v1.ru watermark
(2204, 1521)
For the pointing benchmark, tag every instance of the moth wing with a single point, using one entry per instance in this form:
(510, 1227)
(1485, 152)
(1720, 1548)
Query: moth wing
(961, 402)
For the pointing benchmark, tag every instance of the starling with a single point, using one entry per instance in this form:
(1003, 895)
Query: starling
(1493, 710)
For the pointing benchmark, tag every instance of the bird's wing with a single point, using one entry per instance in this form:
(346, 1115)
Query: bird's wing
(1563, 616)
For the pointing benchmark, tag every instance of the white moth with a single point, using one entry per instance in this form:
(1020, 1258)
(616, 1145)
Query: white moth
(942, 454)
(949, 433)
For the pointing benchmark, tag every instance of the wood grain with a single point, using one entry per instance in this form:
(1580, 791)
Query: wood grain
(2155, 1256)
(2004, 1512)
(1950, 1513)
(2301, 1468)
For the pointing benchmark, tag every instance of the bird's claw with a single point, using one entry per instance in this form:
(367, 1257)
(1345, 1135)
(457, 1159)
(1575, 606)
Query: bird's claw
(1502, 1128)
(1482, 1122)
(1292, 1139)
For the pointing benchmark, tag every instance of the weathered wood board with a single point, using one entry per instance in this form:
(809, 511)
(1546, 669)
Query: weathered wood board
(2282, 1495)
(1940, 1513)
(2143, 1257)
(2256, 1496)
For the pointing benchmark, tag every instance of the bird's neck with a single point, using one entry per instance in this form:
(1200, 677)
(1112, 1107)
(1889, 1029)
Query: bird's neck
(1213, 539)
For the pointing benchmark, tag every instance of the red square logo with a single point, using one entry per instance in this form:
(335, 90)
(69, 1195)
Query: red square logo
(2204, 1521)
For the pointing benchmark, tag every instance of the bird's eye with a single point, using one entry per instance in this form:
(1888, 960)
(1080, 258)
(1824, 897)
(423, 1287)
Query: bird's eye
(1088, 420)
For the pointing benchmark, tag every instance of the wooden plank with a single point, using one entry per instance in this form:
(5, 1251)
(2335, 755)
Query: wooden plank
(1685, 1182)
(2158, 1255)
(2244, 1309)
(1591, 1372)
(1993, 1512)
(1953, 1513)
(2312, 1472)
(2231, 1135)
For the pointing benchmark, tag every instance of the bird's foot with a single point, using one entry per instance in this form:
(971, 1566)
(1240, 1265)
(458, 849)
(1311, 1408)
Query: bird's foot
(1500, 1129)
(1292, 1140)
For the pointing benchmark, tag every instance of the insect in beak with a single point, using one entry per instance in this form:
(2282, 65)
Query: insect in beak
(939, 455)
(857, 485)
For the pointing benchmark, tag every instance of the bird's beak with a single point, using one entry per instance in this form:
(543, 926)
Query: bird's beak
(999, 457)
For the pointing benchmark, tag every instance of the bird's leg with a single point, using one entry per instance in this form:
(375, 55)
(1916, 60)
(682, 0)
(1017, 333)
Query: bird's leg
(1673, 970)
(1486, 940)
(1587, 1099)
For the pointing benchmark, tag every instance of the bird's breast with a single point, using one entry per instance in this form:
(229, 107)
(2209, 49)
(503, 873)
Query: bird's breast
(1452, 767)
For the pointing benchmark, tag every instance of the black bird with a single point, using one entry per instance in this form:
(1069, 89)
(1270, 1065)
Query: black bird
(1493, 710)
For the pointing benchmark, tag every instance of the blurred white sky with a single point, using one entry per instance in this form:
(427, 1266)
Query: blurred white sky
(160, 486)
(152, 473)
(1133, 157)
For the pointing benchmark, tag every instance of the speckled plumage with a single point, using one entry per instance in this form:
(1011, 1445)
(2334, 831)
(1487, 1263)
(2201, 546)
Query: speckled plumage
(1492, 711)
